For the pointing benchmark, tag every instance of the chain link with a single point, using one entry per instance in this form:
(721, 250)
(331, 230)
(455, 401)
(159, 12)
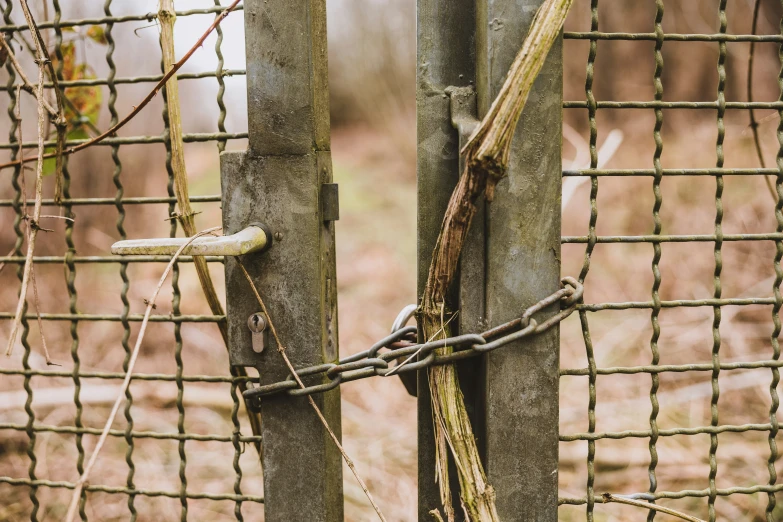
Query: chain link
(402, 344)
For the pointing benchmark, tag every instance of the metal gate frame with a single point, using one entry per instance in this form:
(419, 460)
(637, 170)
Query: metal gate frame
(282, 181)
(512, 256)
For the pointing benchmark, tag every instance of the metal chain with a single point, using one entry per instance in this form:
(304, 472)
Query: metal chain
(402, 344)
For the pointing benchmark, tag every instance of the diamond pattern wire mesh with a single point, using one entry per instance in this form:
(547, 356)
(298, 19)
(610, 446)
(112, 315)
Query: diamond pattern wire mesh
(700, 502)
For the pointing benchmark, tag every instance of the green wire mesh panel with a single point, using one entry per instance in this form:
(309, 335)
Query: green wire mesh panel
(670, 372)
(180, 445)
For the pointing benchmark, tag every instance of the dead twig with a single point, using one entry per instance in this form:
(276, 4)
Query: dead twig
(754, 124)
(33, 222)
(79, 486)
(71, 220)
(2, 265)
(37, 303)
(103, 395)
(26, 85)
(60, 123)
(436, 515)
(114, 128)
(608, 498)
(186, 216)
(487, 156)
(281, 350)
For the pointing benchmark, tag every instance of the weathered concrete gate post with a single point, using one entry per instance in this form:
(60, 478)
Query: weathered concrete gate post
(279, 181)
(512, 257)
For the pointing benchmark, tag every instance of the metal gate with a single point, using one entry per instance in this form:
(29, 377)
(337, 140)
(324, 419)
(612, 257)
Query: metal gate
(535, 407)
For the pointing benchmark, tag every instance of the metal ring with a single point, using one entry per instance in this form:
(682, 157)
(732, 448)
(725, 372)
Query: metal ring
(577, 293)
(269, 389)
(356, 365)
(403, 317)
(497, 343)
(320, 388)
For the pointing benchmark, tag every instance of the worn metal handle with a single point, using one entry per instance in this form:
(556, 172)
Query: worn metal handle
(251, 239)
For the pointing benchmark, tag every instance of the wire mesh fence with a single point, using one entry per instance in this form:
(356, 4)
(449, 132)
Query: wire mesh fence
(685, 465)
(45, 389)
(53, 415)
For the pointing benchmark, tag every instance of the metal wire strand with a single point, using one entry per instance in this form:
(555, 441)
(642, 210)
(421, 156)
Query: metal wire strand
(656, 307)
(775, 337)
(591, 242)
(718, 255)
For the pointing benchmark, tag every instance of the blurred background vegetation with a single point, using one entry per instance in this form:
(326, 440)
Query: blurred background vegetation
(372, 74)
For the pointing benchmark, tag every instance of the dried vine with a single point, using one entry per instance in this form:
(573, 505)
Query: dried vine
(487, 156)
(608, 498)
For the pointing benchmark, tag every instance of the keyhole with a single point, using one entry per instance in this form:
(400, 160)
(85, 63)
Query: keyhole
(256, 323)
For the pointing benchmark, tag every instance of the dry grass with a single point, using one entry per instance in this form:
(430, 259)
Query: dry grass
(374, 164)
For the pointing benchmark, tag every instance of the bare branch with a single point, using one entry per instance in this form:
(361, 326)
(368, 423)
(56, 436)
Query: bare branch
(144, 102)
(33, 224)
(608, 498)
(27, 86)
(77, 492)
(754, 124)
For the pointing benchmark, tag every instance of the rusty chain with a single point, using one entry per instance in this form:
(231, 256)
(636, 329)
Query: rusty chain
(402, 344)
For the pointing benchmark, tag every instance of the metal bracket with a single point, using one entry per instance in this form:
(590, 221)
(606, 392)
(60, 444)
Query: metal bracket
(330, 202)
(254, 238)
(463, 112)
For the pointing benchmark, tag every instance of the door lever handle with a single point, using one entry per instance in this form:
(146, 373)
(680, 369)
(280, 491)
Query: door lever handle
(254, 238)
